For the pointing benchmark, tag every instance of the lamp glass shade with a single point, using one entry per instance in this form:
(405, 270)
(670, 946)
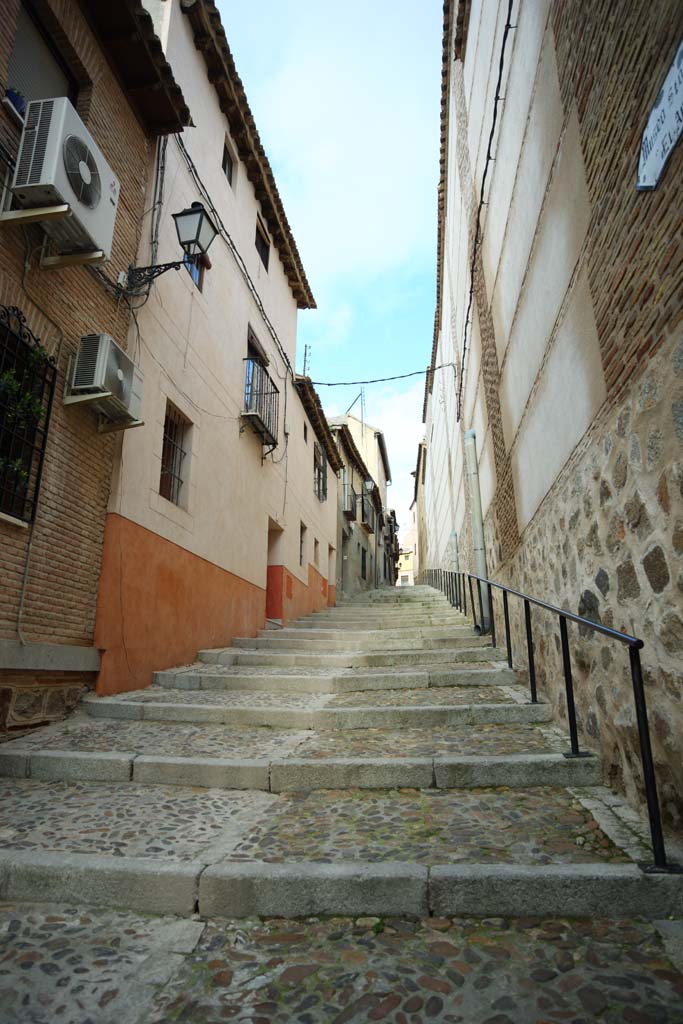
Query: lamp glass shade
(195, 229)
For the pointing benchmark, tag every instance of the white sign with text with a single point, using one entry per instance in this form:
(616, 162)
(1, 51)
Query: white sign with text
(664, 126)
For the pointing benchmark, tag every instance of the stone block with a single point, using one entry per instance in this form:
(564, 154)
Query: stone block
(351, 773)
(132, 883)
(299, 890)
(81, 766)
(13, 763)
(516, 771)
(209, 772)
(104, 707)
(553, 890)
(157, 711)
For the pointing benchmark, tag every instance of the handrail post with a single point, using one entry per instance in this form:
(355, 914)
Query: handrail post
(492, 617)
(464, 595)
(530, 652)
(569, 688)
(508, 638)
(472, 604)
(649, 777)
(481, 608)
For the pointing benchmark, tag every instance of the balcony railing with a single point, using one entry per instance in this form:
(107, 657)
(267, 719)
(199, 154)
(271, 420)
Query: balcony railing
(367, 516)
(261, 401)
(350, 502)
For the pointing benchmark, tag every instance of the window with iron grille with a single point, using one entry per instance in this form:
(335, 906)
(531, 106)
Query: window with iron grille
(364, 563)
(174, 456)
(27, 383)
(302, 543)
(319, 472)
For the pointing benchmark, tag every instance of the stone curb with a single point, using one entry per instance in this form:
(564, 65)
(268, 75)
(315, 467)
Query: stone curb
(131, 883)
(327, 719)
(298, 890)
(296, 774)
(553, 890)
(208, 772)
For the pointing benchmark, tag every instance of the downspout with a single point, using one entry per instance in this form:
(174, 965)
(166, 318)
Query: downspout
(477, 519)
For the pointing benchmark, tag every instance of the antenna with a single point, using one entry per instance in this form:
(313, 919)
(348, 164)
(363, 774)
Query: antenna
(359, 395)
(362, 410)
(307, 350)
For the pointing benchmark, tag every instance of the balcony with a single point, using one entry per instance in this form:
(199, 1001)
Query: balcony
(261, 402)
(350, 499)
(367, 516)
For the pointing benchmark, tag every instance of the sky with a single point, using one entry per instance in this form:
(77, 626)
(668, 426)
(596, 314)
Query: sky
(346, 98)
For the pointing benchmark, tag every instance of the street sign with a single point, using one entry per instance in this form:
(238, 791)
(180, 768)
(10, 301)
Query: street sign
(664, 127)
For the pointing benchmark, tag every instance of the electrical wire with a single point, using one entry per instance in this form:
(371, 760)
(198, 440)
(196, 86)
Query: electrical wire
(377, 380)
(477, 231)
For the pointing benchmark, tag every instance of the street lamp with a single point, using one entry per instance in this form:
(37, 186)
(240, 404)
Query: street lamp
(196, 231)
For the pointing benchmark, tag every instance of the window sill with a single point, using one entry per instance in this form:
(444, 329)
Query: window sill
(13, 521)
(13, 112)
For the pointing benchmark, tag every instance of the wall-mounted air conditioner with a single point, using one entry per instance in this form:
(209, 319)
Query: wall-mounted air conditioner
(103, 376)
(59, 162)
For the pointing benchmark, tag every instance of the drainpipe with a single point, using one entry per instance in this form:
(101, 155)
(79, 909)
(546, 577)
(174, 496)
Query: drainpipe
(477, 519)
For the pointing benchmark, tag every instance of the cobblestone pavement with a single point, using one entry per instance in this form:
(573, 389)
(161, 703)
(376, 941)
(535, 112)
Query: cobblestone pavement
(537, 826)
(132, 821)
(75, 966)
(469, 739)
(165, 739)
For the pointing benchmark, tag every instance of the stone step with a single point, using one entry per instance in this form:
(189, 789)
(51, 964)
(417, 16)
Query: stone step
(378, 637)
(162, 705)
(220, 853)
(265, 679)
(213, 758)
(353, 643)
(394, 659)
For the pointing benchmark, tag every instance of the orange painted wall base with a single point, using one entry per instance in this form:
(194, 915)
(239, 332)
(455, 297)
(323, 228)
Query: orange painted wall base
(289, 598)
(158, 604)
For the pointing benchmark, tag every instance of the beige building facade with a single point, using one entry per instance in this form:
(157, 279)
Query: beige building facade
(558, 350)
(223, 510)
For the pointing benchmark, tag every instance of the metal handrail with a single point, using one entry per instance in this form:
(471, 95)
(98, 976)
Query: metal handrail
(457, 585)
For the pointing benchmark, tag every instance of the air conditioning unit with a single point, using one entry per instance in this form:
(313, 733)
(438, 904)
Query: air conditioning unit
(59, 162)
(103, 376)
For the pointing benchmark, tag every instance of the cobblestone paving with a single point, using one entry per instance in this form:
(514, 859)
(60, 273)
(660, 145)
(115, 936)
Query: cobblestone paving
(489, 972)
(81, 966)
(132, 820)
(84, 966)
(539, 826)
(167, 740)
(227, 699)
(469, 739)
(440, 696)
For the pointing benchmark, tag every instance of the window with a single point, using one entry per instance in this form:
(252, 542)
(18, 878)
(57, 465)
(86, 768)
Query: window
(316, 552)
(302, 543)
(35, 69)
(27, 382)
(364, 563)
(173, 455)
(229, 164)
(262, 243)
(195, 270)
(306, 433)
(319, 472)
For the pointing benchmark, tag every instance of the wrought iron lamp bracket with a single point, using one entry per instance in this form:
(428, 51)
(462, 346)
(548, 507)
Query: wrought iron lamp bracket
(140, 276)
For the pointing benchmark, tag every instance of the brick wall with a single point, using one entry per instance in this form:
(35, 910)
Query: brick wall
(60, 306)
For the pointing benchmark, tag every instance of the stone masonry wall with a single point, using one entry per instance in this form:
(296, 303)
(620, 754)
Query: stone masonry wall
(606, 543)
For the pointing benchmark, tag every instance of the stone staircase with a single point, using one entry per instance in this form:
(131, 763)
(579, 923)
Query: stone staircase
(377, 758)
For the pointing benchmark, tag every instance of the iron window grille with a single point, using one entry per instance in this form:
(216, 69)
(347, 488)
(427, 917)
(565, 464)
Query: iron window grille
(364, 563)
(319, 472)
(350, 501)
(27, 384)
(173, 455)
(367, 512)
(261, 401)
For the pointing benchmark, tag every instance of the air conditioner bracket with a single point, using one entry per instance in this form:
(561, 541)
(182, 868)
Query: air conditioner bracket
(72, 259)
(33, 214)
